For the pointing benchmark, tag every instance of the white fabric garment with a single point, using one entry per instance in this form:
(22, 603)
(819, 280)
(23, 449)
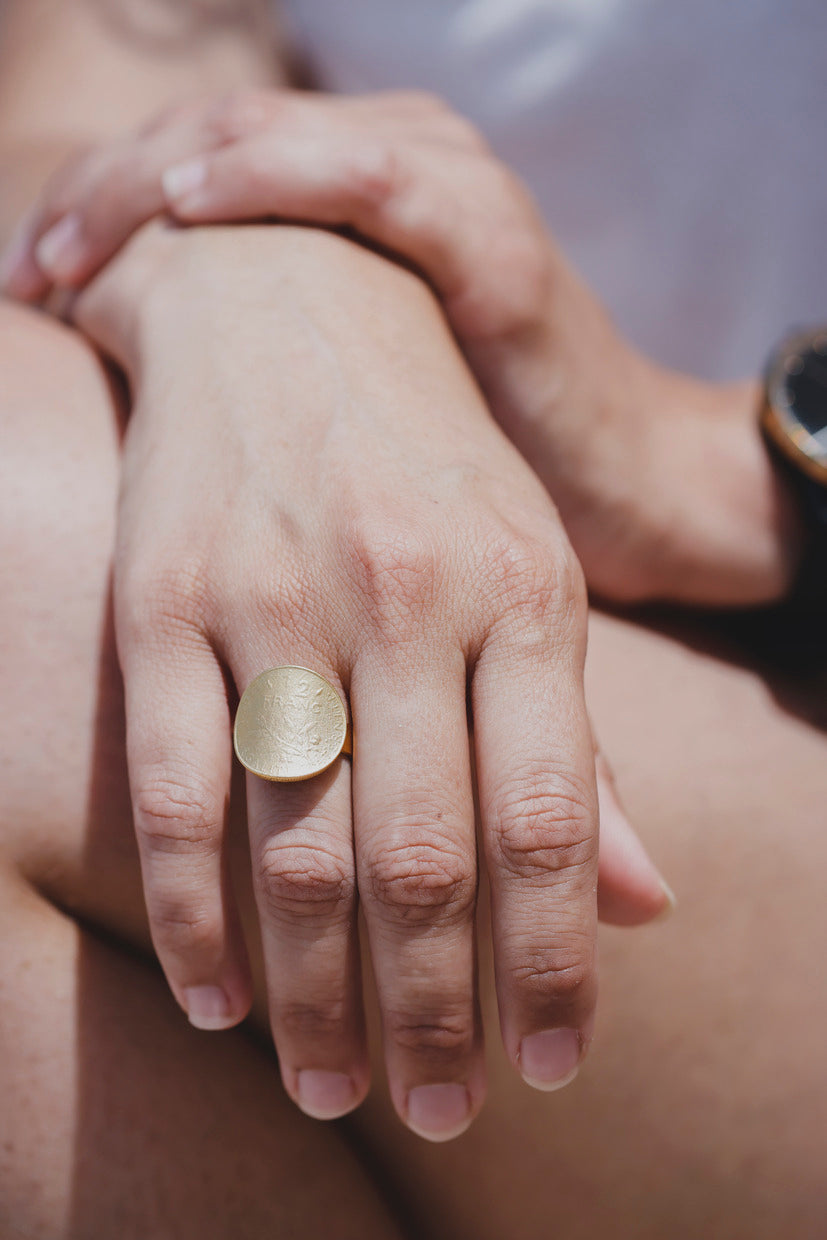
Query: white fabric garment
(677, 147)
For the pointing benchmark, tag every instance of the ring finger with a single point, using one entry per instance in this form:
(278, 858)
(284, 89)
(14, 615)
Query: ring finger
(303, 873)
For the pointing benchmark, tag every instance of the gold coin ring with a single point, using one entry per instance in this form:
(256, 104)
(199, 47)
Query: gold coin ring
(291, 724)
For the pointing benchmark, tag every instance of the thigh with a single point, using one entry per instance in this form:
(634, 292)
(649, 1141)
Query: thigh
(117, 1118)
(700, 1109)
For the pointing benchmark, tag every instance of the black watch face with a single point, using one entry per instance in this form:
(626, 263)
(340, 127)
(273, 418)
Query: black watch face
(806, 385)
(796, 416)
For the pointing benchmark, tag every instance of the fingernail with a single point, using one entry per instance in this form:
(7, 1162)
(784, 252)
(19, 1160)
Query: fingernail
(60, 250)
(325, 1095)
(549, 1060)
(439, 1112)
(208, 1008)
(671, 901)
(182, 179)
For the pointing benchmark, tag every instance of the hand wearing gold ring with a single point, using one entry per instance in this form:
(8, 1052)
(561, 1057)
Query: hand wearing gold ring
(311, 478)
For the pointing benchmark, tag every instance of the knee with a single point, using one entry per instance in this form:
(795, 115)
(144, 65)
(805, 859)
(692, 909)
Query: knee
(58, 480)
(43, 363)
(59, 429)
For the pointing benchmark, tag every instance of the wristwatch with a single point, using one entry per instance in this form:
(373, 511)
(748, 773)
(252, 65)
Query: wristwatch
(794, 424)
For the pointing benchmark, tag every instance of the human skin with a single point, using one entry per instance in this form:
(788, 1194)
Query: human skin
(198, 937)
(118, 1118)
(252, 425)
(700, 1113)
(249, 538)
(663, 481)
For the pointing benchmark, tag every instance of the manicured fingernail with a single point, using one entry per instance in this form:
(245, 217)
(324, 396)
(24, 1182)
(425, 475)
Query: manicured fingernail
(183, 179)
(60, 251)
(325, 1095)
(208, 1008)
(439, 1112)
(549, 1060)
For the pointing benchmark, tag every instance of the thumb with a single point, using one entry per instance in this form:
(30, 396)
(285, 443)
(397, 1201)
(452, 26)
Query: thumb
(630, 889)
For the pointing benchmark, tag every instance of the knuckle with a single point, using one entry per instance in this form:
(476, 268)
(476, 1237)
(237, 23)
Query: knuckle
(176, 816)
(571, 593)
(431, 879)
(443, 1035)
(522, 571)
(161, 598)
(560, 977)
(545, 827)
(538, 577)
(303, 881)
(397, 572)
(372, 175)
(180, 929)
(305, 1021)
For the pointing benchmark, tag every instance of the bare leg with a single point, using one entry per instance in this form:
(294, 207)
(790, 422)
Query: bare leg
(703, 1106)
(117, 1119)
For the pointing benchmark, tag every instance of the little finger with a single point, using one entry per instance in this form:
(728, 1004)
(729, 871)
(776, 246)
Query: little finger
(538, 806)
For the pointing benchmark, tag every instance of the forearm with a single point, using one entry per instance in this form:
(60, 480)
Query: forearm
(79, 71)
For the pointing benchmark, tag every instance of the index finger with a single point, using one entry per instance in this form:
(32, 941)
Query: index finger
(538, 808)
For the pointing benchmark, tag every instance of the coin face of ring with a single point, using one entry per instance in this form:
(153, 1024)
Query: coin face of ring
(291, 724)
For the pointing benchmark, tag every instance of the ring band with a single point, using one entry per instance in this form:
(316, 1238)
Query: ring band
(291, 724)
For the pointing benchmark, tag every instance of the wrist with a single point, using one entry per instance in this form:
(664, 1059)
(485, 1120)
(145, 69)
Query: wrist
(169, 287)
(668, 470)
(718, 491)
(169, 284)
